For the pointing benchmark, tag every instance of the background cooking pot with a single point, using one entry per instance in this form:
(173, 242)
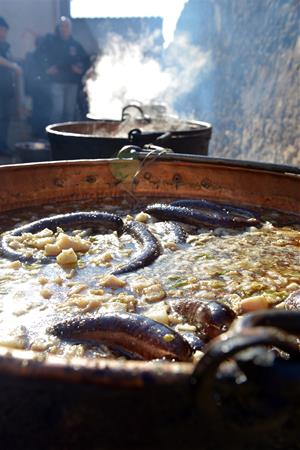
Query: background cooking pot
(104, 138)
(77, 404)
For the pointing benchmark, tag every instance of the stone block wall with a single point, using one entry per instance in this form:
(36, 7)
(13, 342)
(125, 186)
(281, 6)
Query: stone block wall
(251, 91)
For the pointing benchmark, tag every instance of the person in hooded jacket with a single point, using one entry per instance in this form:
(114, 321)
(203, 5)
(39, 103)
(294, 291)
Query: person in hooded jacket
(65, 61)
(9, 71)
(37, 87)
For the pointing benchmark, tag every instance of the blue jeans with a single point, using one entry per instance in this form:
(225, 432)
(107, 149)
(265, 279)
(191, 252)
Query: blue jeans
(64, 101)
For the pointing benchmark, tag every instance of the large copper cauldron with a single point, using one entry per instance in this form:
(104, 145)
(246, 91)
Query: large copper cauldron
(55, 404)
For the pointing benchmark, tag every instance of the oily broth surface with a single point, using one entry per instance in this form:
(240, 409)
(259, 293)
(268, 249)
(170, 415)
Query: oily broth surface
(239, 267)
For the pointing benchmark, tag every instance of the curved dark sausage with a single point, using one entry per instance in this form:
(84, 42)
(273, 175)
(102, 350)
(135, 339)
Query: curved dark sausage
(132, 333)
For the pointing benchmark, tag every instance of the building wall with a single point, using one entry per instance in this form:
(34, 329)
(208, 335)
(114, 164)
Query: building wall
(28, 18)
(251, 93)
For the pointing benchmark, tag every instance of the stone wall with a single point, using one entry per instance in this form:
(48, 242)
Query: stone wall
(251, 91)
(27, 19)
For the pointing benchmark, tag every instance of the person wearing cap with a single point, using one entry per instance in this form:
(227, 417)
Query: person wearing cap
(9, 71)
(65, 62)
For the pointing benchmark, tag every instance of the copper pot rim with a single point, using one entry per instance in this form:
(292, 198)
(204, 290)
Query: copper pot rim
(105, 371)
(65, 129)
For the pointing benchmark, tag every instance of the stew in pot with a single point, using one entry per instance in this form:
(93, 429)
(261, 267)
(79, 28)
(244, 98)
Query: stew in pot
(153, 281)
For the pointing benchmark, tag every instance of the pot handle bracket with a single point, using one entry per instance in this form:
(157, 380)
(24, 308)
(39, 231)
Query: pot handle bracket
(136, 152)
(266, 400)
(134, 106)
(167, 154)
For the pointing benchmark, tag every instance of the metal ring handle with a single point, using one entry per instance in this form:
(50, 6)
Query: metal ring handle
(285, 320)
(229, 344)
(145, 118)
(225, 347)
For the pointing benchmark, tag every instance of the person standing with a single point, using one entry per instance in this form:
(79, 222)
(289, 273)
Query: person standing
(37, 87)
(10, 75)
(65, 62)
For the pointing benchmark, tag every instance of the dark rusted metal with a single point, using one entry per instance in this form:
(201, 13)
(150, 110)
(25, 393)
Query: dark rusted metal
(274, 378)
(286, 320)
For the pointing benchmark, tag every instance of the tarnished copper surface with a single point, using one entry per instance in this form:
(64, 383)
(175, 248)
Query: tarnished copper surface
(107, 372)
(36, 183)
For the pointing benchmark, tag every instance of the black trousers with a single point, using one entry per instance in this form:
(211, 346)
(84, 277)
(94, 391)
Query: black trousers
(5, 112)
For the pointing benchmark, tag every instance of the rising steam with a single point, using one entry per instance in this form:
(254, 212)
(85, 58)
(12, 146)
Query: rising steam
(126, 72)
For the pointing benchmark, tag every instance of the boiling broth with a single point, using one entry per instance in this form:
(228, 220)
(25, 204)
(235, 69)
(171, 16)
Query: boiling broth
(246, 269)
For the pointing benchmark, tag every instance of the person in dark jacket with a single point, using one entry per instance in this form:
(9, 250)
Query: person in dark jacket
(37, 87)
(65, 62)
(9, 71)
